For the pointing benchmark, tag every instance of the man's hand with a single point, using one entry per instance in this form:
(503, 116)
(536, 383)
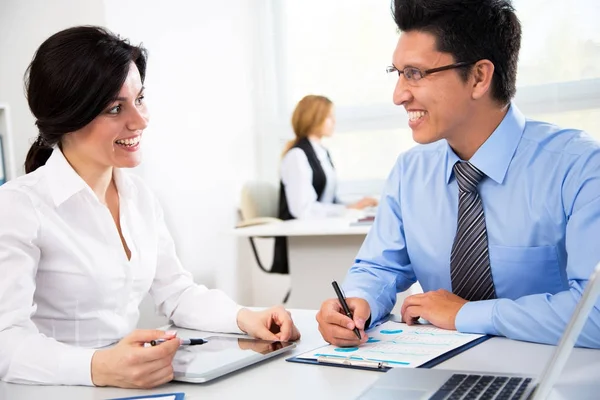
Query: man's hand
(336, 328)
(131, 365)
(274, 323)
(439, 308)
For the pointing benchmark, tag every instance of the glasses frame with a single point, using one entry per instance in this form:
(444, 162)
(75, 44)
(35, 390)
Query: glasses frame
(426, 72)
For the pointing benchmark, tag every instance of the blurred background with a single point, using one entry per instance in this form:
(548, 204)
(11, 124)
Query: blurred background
(223, 79)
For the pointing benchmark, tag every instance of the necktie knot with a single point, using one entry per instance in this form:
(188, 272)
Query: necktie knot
(467, 176)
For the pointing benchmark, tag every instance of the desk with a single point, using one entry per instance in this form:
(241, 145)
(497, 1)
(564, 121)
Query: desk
(279, 379)
(319, 251)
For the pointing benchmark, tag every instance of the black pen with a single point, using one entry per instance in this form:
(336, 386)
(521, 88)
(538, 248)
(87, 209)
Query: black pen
(347, 311)
(184, 342)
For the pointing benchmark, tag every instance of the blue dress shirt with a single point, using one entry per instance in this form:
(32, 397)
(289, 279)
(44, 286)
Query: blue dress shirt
(541, 199)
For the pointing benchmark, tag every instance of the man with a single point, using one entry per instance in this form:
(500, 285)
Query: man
(496, 216)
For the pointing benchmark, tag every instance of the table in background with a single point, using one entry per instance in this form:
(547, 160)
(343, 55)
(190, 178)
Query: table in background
(319, 251)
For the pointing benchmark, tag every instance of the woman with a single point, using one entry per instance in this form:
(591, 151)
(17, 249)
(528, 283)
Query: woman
(308, 180)
(82, 241)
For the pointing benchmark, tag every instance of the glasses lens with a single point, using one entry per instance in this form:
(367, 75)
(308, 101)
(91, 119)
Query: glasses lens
(412, 74)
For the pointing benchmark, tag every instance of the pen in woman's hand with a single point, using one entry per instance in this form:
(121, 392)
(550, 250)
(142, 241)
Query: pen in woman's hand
(347, 311)
(184, 342)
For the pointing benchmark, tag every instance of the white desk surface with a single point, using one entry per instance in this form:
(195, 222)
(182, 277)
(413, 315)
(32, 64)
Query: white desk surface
(312, 227)
(282, 380)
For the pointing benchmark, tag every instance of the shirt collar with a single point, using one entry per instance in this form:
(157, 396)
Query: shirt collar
(495, 154)
(320, 150)
(65, 182)
(315, 143)
(124, 183)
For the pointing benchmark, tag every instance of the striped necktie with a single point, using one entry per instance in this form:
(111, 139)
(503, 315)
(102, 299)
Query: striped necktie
(470, 270)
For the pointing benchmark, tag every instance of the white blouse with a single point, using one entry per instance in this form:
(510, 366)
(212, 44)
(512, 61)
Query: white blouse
(297, 177)
(66, 285)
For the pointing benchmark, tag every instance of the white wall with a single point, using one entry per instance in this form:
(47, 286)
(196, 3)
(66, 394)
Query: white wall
(200, 145)
(24, 25)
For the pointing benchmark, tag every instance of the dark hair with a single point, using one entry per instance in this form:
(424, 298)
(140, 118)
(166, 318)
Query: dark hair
(74, 75)
(470, 30)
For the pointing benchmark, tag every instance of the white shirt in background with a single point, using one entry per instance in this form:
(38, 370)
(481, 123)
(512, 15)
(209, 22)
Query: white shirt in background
(297, 177)
(66, 285)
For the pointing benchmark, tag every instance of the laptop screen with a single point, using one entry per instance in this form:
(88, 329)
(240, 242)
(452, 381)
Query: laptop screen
(568, 339)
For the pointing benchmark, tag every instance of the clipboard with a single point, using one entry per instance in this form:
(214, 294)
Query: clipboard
(382, 365)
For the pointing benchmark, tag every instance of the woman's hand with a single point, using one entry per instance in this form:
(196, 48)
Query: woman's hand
(364, 203)
(274, 323)
(131, 365)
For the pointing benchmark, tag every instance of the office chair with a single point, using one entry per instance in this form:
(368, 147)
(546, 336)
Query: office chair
(259, 205)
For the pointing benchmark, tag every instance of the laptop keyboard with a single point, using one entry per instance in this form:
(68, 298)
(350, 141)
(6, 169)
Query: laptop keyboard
(482, 387)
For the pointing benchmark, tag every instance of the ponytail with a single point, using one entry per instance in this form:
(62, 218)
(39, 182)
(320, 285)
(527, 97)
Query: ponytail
(37, 155)
(288, 146)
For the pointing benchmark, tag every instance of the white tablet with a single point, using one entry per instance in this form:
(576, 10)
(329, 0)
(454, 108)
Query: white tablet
(221, 355)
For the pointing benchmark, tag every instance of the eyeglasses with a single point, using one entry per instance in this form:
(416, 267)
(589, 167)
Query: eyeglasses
(413, 74)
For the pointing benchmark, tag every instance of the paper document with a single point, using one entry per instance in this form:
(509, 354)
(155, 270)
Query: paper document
(363, 221)
(394, 344)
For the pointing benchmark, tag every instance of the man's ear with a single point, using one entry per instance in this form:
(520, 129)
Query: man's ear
(481, 76)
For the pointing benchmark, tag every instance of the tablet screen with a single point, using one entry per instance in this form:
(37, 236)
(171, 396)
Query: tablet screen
(223, 354)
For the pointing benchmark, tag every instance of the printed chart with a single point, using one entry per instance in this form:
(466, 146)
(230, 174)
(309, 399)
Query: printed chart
(397, 345)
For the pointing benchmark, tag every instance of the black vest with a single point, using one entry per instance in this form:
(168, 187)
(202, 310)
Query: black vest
(280, 257)
(319, 177)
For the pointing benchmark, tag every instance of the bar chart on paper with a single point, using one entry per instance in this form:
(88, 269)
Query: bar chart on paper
(397, 345)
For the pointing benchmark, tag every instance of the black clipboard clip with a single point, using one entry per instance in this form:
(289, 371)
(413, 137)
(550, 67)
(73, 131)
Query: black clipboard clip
(353, 362)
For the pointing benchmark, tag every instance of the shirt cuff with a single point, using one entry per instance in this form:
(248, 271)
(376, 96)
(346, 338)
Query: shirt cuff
(476, 317)
(233, 326)
(76, 366)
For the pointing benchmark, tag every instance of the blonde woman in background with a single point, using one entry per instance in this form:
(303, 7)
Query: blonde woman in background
(308, 179)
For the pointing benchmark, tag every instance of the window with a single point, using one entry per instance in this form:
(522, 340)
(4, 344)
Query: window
(559, 44)
(339, 49)
(357, 158)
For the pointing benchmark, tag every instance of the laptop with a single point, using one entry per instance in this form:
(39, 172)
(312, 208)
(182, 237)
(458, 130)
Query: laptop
(438, 384)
